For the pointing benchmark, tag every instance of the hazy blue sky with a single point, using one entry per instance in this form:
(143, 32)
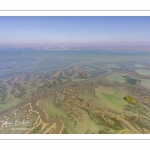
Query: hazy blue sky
(74, 31)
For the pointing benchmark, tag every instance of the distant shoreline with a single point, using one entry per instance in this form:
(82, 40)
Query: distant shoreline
(101, 49)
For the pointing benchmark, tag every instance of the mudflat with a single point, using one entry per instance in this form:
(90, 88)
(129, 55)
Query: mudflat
(70, 92)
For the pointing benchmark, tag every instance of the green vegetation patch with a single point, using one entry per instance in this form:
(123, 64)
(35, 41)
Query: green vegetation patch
(119, 77)
(124, 76)
(130, 99)
(112, 97)
(51, 109)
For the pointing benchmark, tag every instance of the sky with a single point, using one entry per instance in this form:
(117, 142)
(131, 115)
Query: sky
(51, 31)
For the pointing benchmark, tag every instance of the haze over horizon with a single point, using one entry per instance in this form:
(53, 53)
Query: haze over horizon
(79, 31)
